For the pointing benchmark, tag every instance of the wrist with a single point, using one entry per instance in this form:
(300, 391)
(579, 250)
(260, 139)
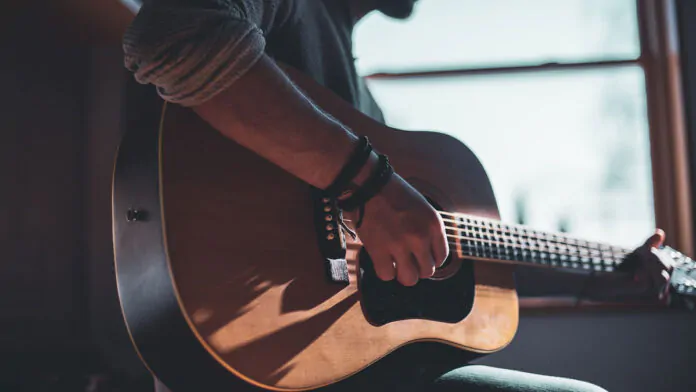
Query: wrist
(366, 170)
(351, 167)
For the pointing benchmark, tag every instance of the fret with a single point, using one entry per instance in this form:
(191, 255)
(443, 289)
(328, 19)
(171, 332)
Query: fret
(478, 245)
(490, 239)
(494, 234)
(544, 254)
(586, 260)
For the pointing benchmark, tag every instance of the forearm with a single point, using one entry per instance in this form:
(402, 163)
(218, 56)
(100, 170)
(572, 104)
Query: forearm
(265, 112)
(210, 56)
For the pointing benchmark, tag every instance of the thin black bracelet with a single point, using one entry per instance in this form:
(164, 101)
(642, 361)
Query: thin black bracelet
(357, 160)
(377, 180)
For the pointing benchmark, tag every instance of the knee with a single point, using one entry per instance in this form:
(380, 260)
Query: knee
(485, 379)
(579, 386)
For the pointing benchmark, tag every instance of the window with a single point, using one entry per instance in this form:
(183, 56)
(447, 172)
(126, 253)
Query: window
(472, 33)
(554, 97)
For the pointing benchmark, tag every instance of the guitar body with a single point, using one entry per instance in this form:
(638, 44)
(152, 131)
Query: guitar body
(221, 278)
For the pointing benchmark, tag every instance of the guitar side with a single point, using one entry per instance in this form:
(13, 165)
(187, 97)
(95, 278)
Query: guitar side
(220, 277)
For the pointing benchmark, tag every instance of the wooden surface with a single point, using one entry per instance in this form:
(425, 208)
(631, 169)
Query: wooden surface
(243, 253)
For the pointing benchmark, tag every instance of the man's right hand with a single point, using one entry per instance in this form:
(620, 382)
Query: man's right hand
(403, 234)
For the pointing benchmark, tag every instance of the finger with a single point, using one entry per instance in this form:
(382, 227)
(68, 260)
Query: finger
(384, 266)
(665, 293)
(656, 240)
(406, 269)
(426, 263)
(665, 276)
(440, 247)
(658, 274)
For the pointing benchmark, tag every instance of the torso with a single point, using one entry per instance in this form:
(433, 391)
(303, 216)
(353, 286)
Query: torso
(317, 40)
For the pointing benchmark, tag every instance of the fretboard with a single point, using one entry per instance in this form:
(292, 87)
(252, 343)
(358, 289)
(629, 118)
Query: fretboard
(481, 238)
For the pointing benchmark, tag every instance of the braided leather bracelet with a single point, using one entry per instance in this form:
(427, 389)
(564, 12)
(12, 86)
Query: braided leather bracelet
(377, 180)
(357, 160)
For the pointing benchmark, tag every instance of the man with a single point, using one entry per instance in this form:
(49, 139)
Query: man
(220, 58)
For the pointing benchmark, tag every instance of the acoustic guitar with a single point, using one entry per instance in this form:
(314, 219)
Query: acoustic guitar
(234, 274)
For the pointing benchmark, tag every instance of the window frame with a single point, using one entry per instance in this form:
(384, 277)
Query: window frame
(660, 60)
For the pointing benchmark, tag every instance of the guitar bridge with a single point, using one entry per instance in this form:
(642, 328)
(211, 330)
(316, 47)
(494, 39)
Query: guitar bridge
(330, 237)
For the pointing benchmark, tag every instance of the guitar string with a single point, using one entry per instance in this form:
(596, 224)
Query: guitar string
(573, 249)
(503, 230)
(525, 234)
(540, 247)
(603, 257)
(611, 252)
(495, 254)
(498, 247)
(578, 264)
(522, 231)
(513, 238)
(606, 257)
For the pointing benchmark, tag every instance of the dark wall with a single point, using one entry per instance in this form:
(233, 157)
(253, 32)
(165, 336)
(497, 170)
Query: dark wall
(42, 285)
(59, 129)
(621, 352)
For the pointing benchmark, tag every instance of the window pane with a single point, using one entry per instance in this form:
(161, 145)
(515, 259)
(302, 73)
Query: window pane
(474, 33)
(563, 149)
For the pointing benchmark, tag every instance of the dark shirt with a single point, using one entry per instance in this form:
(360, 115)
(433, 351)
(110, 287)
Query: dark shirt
(194, 49)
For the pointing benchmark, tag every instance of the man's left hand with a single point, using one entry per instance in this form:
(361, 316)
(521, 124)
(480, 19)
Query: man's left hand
(649, 271)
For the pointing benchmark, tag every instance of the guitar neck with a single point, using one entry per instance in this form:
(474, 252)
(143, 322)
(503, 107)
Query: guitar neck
(480, 238)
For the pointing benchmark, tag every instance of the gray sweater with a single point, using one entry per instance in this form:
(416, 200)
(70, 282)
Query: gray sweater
(193, 49)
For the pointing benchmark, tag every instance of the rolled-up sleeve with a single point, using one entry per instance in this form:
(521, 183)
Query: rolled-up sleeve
(191, 52)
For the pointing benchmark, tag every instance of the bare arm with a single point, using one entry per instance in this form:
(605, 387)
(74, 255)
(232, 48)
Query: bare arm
(268, 114)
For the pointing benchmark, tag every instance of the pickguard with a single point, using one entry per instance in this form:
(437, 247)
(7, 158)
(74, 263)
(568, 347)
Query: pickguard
(449, 300)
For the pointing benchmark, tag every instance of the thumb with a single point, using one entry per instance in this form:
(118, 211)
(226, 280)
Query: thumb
(656, 240)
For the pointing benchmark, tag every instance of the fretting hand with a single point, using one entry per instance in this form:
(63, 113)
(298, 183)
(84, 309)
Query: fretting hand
(650, 273)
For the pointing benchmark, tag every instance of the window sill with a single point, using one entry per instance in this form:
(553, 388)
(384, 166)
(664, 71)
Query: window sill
(569, 305)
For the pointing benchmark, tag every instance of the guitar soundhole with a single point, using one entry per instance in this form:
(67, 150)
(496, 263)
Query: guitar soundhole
(449, 300)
